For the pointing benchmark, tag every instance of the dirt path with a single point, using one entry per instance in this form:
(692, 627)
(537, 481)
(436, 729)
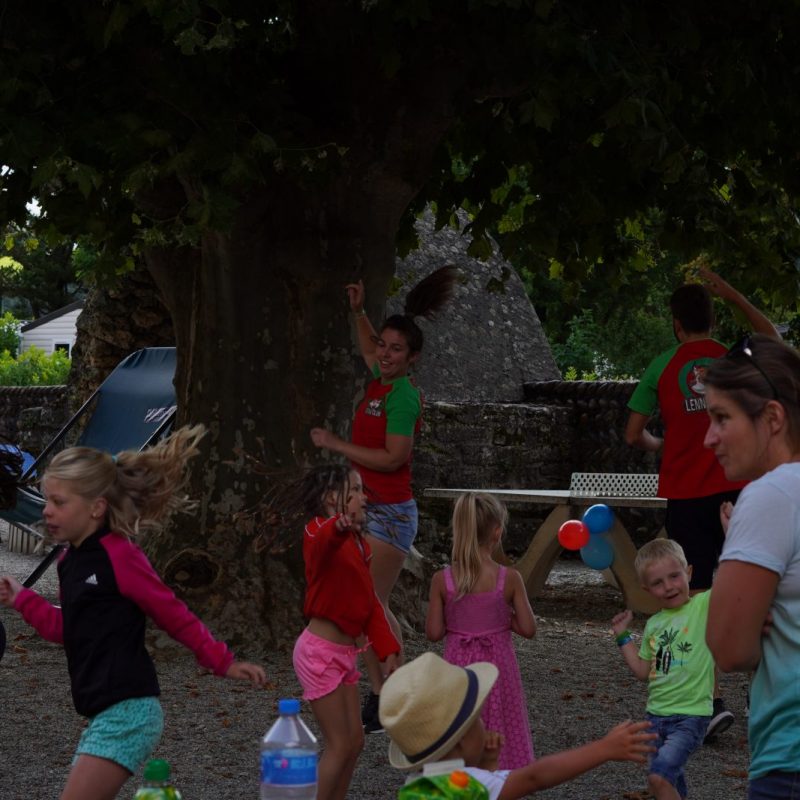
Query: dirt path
(576, 682)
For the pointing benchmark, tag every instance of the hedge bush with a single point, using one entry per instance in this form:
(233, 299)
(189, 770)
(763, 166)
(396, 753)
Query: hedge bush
(34, 368)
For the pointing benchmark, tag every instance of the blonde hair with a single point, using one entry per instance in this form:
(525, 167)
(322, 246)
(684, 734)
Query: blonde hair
(141, 488)
(655, 551)
(475, 517)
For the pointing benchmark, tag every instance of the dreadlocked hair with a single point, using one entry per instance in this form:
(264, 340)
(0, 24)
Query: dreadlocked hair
(142, 489)
(430, 295)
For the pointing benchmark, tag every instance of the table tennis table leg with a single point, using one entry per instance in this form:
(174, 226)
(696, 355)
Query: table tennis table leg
(543, 551)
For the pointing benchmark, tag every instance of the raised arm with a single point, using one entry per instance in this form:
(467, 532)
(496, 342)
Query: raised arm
(366, 333)
(721, 288)
(638, 666)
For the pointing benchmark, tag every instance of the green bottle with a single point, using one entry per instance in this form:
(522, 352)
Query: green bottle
(157, 784)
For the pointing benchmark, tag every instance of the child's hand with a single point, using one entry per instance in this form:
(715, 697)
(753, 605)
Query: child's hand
(9, 589)
(356, 294)
(344, 523)
(725, 511)
(491, 750)
(389, 665)
(630, 741)
(621, 621)
(245, 671)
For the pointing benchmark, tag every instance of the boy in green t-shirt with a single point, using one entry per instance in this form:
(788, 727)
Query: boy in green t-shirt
(674, 660)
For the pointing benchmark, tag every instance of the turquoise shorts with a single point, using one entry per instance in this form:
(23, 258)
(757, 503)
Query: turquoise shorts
(125, 733)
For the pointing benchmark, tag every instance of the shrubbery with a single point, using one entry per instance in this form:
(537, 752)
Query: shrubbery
(34, 368)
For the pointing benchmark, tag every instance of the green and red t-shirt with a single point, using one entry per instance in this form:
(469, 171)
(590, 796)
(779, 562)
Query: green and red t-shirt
(394, 407)
(674, 382)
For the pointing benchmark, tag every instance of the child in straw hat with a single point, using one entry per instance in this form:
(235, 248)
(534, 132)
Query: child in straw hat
(431, 711)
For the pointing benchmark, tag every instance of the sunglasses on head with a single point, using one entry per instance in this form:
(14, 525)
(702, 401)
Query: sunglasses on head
(744, 349)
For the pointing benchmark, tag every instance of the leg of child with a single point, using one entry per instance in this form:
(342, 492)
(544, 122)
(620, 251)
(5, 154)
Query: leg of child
(661, 788)
(339, 718)
(94, 778)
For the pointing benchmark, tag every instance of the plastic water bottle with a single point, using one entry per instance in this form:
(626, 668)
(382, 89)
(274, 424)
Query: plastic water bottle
(157, 784)
(289, 757)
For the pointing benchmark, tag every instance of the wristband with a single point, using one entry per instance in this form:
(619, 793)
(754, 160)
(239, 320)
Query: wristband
(623, 637)
(359, 314)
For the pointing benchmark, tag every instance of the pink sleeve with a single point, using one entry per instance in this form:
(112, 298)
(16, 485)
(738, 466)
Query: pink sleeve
(40, 614)
(138, 581)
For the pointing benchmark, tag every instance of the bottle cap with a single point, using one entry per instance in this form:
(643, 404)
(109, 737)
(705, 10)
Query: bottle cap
(288, 706)
(459, 779)
(156, 770)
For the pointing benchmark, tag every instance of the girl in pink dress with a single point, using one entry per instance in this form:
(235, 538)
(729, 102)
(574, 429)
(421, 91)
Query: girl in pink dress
(476, 603)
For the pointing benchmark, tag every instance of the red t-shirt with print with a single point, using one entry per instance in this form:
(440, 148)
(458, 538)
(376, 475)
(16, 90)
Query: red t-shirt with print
(394, 407)
(674, 382)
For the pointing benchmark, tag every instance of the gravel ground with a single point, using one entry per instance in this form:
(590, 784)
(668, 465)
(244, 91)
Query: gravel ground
(577, 686)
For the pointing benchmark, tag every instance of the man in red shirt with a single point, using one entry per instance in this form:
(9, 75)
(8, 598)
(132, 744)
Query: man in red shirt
(690, 476)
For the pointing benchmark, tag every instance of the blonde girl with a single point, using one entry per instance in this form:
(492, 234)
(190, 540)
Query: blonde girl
(476, 604)
(95, 503)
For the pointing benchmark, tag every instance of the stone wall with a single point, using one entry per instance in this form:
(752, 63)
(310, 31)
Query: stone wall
(563, 427)
(31, 415)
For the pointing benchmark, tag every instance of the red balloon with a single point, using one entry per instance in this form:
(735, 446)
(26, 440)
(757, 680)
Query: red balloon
(573, 534)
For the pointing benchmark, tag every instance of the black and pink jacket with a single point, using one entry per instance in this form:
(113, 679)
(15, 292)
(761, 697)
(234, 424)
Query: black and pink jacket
(108, 588)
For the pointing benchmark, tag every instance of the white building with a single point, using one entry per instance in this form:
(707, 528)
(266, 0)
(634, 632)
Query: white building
(54, 331)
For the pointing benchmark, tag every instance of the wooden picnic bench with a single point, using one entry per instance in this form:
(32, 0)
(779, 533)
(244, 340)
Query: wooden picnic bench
(620, 490)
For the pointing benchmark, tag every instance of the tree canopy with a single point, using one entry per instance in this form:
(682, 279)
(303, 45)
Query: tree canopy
(255, 156)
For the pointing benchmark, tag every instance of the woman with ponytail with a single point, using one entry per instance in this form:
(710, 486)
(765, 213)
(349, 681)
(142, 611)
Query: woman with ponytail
(383, 431)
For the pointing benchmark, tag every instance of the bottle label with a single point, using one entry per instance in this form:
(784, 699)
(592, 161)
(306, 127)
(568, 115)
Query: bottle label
(288, 767)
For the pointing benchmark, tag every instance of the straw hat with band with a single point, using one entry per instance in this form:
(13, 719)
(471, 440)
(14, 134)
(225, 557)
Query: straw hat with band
(428, 705)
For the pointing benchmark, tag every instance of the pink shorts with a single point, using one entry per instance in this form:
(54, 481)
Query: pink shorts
(322, 666)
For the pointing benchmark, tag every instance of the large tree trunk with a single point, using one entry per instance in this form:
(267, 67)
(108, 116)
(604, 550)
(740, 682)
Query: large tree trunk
(265, 351)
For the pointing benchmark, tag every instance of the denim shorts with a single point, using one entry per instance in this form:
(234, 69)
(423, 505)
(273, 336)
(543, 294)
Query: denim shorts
(125, 733)
(775, 786)
(393, 523)
(679, 736)
(322, 666)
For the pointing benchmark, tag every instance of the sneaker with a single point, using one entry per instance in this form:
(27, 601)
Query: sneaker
(721, 720)
(369, 714)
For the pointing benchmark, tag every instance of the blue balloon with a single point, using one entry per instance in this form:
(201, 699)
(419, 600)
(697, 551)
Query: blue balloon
(598, 518)
(598, 554)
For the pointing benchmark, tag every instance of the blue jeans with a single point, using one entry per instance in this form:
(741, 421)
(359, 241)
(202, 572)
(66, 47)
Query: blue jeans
(775, 786)
(678, 737)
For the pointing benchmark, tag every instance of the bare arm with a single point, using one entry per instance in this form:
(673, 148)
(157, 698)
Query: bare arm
(721, 288)
(739, 606)
(382, 459)
(638, 666)
(434, 621)
(637, 435)
(364, 330)
(523, 622)
(628, 741)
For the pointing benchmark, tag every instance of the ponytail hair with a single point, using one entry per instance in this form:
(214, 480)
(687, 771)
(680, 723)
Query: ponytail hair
(475, 517)
(142, 488)
(424, 300)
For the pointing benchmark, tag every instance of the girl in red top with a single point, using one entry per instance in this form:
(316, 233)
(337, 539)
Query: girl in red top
(384, 427)
(341, 606)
